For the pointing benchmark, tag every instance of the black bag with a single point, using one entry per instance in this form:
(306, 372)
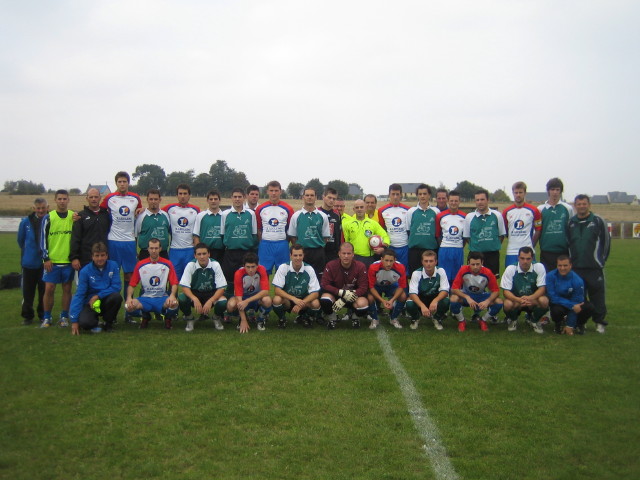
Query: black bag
(11, 280)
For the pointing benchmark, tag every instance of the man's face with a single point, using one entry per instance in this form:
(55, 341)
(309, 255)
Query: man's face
(525, 260)
(582, 207)
(153, 202)
(518, 196)
(253, 197)
(213, 201)
(423, 196)
(122, 184)
(429, 264)
(441, 200)
(62, 202)
(251, 268)
(309, 198)
(481, 202)
(340, 207)
(40, 209)
(370, 204)
(475, 264)
(183, 196)
(297, 257)
(395, 196)
(99, 259)
(237, 199)
(202, 256)
(346, 255)
(329, 201)
(564, 267)
(554, 195)
(274, 194)
(454, 202)
(358, 209)
(93, 198)
(388, 262)
(154, 251)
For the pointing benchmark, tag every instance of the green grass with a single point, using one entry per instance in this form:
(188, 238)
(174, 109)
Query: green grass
(301, 404)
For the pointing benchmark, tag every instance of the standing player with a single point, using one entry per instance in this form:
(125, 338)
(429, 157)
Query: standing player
(29, 233)
(335, 224)
(555, 221)
(428, 292)
(251, 288)
(421, 227)
(469, 290)
(523, 223)
(589, 246)
(309, 227)
(92, 226)
(359, 230)
(153, 223)
(523, 287)
(123, 206)
(55, 244)
(296, 289)
(449, 231)
(484, 230)
(389, 278)
(441, 199)
(182, 217)
(208, 226)
(203, 286)
(253, 197)
(393, 218)
(273, 216)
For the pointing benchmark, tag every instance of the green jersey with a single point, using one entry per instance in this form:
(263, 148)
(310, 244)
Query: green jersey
(153, 225)
(203, 279)
(555, 220)
(425, 285)
(522, 283)
(421, 227)
(310, 228)
(207, 228)
(299, 284)
(239, 230)
(483, 231)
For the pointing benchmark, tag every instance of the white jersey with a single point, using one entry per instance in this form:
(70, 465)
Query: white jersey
(521, 222)
(451, 227)
(182, 221)
(123, 213)
(394, 220)
(273, 220)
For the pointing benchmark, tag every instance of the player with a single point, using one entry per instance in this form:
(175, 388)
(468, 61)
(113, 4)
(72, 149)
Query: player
(442, 198)
(523, 223)
(251, 285)
(182, 218)
(389, 278)
(296, 290)
(393, 218)
(523, 288)
(359, 229)
(421, 227)
(153, 223)
(154, 273)
(273, 217)
(449, 231)
(29, 233)
(484, 230)
(55, 244)
(344, 284)
(91, 226)
(253, 197)
(589, 247)
(469, 289)
(203, 285)
(555, 216)
(208, 226)
(309, 227)
(428, 292)
(335, 224)
(98, 293)
(565, 290)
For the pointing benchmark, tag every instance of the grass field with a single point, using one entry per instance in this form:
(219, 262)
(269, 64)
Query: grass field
(300, 404)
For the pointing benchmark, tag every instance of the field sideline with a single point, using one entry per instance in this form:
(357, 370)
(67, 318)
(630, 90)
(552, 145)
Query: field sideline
(300, 404)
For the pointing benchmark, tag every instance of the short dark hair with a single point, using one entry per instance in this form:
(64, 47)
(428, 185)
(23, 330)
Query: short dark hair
(371, 195)
(454, 193)
(274, 184)
(482, 191)
(443, 190)
(526, 250)
(475, 256)
(519, 186)
(253, 188)
(199, 246)
(237, 190)
(330, 191)
(122, 174)
(310, 188)
(213, 193)
(389, 252)
(422, 186)
(61, 191)
(295, 246)
(555, 182)
(99, 247)
(154, 240)
(154, 191)
(582, 196)
(395, 187)
(563, 257)
(183, 186)
(250, 257)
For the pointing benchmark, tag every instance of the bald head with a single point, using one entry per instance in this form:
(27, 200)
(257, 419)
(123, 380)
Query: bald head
(93, 198)
(358, 208)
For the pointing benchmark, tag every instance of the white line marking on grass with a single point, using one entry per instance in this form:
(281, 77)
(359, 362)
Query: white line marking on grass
(433, 447)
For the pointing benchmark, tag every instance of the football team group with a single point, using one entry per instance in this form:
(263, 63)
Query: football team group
(329, 265)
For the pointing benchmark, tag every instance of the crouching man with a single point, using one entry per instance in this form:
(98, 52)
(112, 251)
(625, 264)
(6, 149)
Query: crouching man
(428, 292)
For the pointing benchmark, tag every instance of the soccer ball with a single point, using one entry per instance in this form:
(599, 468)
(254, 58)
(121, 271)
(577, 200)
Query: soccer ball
(375, 241)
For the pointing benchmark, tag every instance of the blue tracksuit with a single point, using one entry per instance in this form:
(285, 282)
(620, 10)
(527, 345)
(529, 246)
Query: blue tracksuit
(93, 281)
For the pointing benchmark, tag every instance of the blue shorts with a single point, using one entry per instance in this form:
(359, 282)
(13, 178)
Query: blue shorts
(273, 253)
(402, 256)
(156, 304)
(61, 273)
(451, 260)
(477, 297)
(124, 254)
(180, 257)
(387, 290)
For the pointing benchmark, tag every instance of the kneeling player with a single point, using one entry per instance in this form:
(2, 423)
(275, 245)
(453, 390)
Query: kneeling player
(428, 292)
(345, 284)
(524, 286)
(203, 286)
(251, 288)
(469, 290)
(389, 278)
(153, 274)
(296, 289)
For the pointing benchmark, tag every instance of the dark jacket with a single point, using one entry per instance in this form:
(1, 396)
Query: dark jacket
(89, 229)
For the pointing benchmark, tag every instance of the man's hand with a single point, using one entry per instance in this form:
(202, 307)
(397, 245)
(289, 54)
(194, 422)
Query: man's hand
(577, 308)
(48, 266)
(244, 326)
(197, 306)
(75, 329)
(348, 295)
(338, 305)
(242, 304)
(424, 310)
(75, 264)
(472, 303)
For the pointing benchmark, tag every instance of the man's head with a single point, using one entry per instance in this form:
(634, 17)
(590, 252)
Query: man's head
(122, 182)
(62, 200)
(93, 198)
(359, 209)
(482, 200)
(329, 198)
(525, 258)
(339, 206)
(395, 193)
(555, 187)
(454, 201)
(441, 198)
(296, 253)
(388, 259)
(237, 198)
(309, 198)
(213, 199)
(370, 204)
(201, 252)
(40, 206)
(582, 204)
(423, 192)
(253, 196)
(183, 191)
(99, 254)
(475, 260)
(153, 200)
(429, 261)
(274, 191)
(154, 249)
(250, 263)
(346, 254)
(563, 264)
(519, 190)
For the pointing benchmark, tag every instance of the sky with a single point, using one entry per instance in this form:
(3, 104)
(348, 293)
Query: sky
(368, 92)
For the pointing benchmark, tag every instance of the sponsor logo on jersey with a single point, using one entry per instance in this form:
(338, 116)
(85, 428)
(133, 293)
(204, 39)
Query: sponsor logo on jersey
(518, 225)
(183, 222)
(368, 233)
(453, 230)
(154, 281)
(124, 211)
(396, 222)
(274, 222)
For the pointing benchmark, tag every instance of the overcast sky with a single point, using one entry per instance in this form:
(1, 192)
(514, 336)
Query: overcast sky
(368, 92)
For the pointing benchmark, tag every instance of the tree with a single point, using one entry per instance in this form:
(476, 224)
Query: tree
(500, 196)
(467, 190)
(201, 184)
(341, 187)
(294, 190)
(176, 178)
(23, 187)
(317, 185)
(75, 191)
(225, 178)
(149, 176)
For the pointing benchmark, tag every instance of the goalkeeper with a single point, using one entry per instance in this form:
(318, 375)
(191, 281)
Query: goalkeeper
(344, 284)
